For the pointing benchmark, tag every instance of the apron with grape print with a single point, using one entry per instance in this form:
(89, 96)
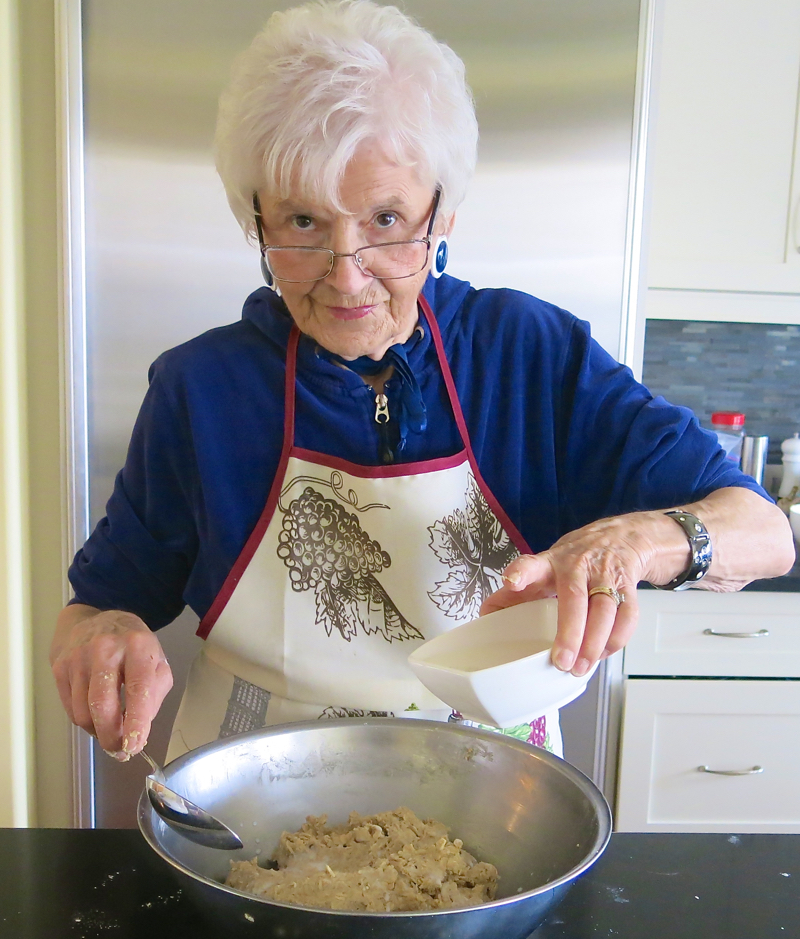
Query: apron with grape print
(347, 571)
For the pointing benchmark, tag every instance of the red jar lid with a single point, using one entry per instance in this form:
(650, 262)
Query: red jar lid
(729, 418)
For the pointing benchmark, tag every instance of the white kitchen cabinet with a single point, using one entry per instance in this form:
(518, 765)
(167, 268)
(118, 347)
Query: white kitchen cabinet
(711, 680)
(724, 166)
(699, 633)
(682, 739)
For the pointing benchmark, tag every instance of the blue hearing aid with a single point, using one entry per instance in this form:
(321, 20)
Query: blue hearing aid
(440, 253)
(266, 273)
(269, 280)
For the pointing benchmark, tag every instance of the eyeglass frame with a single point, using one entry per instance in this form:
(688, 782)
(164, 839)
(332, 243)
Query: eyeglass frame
(264, 247)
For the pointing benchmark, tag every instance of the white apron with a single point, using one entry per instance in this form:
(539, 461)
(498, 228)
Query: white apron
(347, 571)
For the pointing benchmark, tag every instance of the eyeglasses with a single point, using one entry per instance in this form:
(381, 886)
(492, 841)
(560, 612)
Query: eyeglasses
(390, 261)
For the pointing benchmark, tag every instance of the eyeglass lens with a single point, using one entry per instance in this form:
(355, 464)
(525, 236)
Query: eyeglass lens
(383, 261)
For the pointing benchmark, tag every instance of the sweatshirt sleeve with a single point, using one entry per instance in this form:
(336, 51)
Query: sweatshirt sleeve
(622, 449)
(141, 553)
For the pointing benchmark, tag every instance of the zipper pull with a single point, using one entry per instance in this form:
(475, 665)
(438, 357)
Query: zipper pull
(381, 409)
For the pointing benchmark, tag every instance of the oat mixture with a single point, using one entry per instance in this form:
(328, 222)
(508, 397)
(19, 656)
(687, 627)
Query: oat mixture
(392, 861)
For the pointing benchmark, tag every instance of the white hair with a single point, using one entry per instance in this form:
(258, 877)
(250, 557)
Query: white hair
(324, 77)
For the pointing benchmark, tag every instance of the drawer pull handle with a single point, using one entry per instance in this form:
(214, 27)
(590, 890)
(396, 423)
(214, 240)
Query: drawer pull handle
(761, 634)
(732, 772)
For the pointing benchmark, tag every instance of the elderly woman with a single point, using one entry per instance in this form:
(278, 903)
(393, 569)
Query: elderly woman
(377, 452)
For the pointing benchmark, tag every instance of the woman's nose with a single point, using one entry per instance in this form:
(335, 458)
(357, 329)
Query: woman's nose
(346, 276)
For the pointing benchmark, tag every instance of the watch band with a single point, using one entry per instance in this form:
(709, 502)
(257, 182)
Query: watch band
(700, 543)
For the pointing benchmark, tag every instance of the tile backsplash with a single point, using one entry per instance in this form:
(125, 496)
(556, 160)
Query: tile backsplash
(748, 367)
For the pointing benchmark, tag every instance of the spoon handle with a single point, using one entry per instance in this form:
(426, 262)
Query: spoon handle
(157, 772)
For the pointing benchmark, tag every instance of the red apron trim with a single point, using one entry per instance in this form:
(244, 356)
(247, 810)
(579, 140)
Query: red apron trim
(513, 532)
(240, 566)
(376, 472)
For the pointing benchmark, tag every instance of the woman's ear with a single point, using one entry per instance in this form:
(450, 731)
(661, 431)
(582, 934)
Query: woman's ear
(448, 228)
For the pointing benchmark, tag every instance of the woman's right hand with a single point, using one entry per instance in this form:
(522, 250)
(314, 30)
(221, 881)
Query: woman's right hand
(94, 655)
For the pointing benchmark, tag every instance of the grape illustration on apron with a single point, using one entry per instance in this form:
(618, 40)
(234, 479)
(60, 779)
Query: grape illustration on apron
(476, 548)
(326, 550)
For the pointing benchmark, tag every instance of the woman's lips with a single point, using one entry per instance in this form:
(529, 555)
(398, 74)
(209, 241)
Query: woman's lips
(350, 312)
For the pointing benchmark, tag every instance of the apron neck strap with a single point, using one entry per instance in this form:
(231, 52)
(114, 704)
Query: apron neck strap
(444, 365)
(289, 392)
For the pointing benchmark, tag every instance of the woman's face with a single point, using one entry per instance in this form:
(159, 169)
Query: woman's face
(349, 312)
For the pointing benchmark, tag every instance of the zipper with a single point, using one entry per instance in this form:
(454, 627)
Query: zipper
(381, 408)
(382, 419)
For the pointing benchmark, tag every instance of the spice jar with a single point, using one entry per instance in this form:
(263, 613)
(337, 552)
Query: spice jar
(729, 428)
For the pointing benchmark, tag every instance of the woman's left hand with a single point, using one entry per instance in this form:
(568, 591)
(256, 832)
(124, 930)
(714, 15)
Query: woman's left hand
(750, 539)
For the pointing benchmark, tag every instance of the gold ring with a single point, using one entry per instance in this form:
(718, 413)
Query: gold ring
(615, 595)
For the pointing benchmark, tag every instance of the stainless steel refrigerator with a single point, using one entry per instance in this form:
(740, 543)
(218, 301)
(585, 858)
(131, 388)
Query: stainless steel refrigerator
(548, 212)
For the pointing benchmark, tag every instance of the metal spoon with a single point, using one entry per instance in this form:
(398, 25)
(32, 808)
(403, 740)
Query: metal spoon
(184, 816)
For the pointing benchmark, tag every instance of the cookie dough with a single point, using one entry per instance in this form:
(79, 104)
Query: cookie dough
(392, 861)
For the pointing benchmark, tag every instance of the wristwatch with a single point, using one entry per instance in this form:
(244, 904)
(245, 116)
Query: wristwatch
(700, 543)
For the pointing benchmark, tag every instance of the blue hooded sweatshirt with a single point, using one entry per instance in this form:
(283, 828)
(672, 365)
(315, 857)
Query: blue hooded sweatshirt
(562, 433)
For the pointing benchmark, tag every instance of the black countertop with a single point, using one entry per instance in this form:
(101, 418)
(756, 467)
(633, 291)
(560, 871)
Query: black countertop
(61, 884)
(789, 583)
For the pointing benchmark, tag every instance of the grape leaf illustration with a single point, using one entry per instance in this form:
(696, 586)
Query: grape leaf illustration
(476, 548)
(327, 551)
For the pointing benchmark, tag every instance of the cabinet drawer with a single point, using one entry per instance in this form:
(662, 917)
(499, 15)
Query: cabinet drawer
(678, 634)
(671, 728)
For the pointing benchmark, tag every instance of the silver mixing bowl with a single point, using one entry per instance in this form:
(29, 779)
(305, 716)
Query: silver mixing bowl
(538, 819)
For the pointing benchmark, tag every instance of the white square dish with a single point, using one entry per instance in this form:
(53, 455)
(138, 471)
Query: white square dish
(496, 669)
